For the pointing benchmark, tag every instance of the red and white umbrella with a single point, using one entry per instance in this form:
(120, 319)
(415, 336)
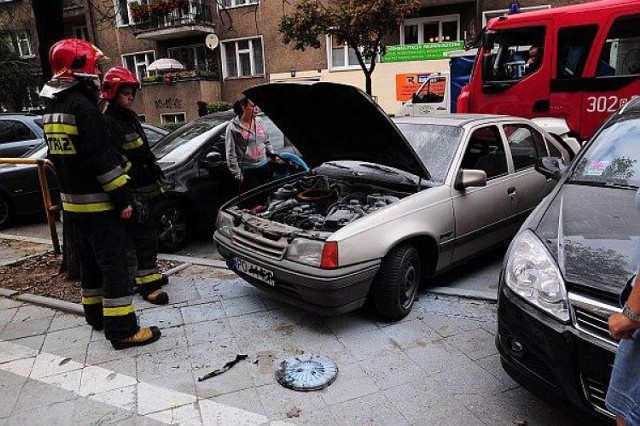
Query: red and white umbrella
(165, 64)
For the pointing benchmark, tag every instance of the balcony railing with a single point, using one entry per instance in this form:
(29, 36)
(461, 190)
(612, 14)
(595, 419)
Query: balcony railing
(192, 14)
(71, 4)
(187, 75)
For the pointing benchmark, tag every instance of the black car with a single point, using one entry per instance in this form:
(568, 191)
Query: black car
(198, 181)
(565, 270)
(19, 184)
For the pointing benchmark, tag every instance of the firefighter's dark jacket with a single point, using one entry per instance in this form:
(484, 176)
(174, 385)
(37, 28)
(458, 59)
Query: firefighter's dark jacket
(92, 181)
(138, 160)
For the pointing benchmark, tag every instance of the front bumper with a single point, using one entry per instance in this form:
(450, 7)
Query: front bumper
(555, 360)
(327, 292)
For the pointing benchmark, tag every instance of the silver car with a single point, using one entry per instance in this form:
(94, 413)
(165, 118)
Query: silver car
(387, 202)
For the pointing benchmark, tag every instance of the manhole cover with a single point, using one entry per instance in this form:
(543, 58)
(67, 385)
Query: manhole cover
(306, 372)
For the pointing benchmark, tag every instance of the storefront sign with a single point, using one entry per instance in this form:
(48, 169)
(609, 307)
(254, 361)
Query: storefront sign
(407, 84)
(421, 52)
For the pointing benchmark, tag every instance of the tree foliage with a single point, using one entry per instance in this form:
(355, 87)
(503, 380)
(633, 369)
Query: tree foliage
(16, 77)
(361, 24)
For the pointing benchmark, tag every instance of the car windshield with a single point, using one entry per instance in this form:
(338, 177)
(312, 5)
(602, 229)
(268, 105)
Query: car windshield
(180, 144)
(612, 159)
(435, 145)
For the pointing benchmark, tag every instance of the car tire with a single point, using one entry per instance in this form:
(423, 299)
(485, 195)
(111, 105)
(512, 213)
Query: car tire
(173, 223)
(7, 213)
(394, 288)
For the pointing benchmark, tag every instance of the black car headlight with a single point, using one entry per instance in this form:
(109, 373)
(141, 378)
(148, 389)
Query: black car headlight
(533, 274)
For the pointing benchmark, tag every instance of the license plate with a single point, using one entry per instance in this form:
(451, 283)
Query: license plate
(255, 271)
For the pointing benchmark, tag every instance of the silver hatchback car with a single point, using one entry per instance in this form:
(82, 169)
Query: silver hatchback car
(387, 202)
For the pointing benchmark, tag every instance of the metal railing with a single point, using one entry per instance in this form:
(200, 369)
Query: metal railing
(194, 13)
(50, 209)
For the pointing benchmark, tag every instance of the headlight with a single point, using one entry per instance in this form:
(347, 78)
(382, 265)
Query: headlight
(533, 274)
(224, 224)
(306, 251)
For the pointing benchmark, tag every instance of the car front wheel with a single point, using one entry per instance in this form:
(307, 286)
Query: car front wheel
(6, 212)
(396, 284)
(173, 224)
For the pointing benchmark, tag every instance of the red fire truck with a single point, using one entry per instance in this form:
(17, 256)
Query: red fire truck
(570, 67)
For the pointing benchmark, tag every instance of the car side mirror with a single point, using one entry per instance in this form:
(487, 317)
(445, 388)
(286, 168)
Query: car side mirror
(470, 177)
(551, 167)
(211, 159)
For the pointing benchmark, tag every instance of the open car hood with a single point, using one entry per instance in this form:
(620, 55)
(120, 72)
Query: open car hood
(330, 121)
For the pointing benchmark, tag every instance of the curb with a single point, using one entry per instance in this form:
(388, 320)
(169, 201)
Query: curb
(465, 294)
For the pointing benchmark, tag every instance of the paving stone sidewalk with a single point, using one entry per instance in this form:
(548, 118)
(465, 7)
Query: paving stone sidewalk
(438, 366)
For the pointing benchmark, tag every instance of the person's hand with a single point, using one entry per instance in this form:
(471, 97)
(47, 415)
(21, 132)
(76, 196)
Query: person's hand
(240, 179)
(621, 327)
(126, 213)
(277, 159)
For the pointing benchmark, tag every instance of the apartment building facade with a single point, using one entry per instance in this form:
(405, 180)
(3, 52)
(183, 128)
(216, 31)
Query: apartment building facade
(247, 48)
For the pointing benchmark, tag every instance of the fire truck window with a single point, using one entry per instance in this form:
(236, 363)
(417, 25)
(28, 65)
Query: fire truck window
(525, 145)
(621, 51)
(485, 151)
(574, 44)
(511, 57)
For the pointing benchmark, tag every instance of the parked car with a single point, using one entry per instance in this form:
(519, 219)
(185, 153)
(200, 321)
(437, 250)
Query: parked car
(198, 182)
(565, 270)
(19, 184)
(19, 133)
(154, 133)
(387, 203)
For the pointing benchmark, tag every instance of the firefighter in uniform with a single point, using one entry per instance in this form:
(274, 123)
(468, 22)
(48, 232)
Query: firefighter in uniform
(119, 87)
(96, 198)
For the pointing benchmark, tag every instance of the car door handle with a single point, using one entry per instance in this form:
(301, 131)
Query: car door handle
(511, 191)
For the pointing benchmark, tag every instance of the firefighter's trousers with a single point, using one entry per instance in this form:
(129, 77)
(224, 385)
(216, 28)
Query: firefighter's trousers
(108, 264)
(145, 236)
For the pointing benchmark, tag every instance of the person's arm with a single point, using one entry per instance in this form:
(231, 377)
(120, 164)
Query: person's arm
(232, 158)
(621, 327)
(99, 153)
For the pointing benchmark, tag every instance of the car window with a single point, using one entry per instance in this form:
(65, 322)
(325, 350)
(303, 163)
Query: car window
(525, 144)
(14, 131)
(485, 151)
(178, 145)
(613, 158)
(436, 145)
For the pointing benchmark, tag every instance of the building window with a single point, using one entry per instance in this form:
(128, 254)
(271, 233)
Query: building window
(126, 13)
(227, 4)
(490, 14)
(20, 43)
(192, 57)
(434, 29)
(242, 58)
(81, 32)
(341, 56)
(178, 117)
(138, 62)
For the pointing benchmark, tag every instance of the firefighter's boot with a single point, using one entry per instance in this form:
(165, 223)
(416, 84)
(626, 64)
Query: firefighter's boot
(144, 336)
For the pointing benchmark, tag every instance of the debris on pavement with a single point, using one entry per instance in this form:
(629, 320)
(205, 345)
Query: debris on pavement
(227, 366)
(307, 372)
(294, 412)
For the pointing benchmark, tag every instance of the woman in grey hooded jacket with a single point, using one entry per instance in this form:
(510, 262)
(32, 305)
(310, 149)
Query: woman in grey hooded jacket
(248, 148)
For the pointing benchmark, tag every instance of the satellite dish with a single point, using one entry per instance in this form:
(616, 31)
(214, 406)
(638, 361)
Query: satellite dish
(212, 41)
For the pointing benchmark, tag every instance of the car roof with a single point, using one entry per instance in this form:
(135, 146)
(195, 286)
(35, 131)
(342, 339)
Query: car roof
(458, 120)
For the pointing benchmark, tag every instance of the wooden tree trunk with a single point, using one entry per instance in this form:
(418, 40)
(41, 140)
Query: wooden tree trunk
(70, 256)
(49, 19)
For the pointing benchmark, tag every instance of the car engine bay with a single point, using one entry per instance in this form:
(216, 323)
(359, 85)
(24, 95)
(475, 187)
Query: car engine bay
(319, 203)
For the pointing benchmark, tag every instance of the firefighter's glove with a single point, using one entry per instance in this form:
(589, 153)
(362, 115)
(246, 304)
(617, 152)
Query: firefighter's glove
(140, 209)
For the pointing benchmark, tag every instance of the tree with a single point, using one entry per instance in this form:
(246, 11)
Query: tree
(16, 76)
(361, 24)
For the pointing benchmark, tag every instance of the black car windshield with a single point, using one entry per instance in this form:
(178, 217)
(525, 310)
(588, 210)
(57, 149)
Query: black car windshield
(178, 145)
(612, 159)
(435, 144)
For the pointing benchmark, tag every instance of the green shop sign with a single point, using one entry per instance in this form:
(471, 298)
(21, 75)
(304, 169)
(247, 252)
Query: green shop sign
(421, 52)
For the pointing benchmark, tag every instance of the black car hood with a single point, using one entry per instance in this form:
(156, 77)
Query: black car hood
(594, 235)
(330, 121)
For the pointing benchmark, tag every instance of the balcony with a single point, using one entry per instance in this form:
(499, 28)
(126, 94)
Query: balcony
(200, 73)
(192, 19)
(73, 9)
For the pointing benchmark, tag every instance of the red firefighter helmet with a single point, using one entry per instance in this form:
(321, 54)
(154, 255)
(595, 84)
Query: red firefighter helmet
(114, 79)
(73, 58)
